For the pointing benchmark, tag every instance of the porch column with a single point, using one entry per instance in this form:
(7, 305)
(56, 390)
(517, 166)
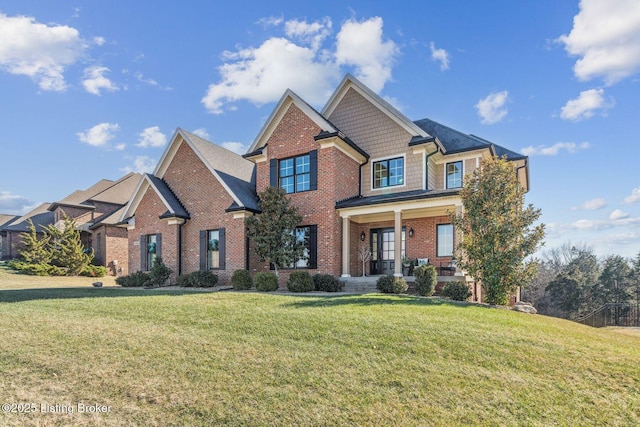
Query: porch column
(346, 243)
(397, 243)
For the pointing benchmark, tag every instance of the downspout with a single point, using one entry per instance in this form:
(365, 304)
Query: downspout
(526, 163)
(180, 248)
(360, 177)
(426, 165)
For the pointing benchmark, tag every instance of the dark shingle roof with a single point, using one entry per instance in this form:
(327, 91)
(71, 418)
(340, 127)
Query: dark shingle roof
(6, 219)
(455, 141)
(394, 197)
(174, 207)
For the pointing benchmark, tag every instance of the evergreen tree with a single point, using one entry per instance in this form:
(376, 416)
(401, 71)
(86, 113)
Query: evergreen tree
(273, 231)
(66, 247)
(614, 284)
(35, 249)
(497, 230)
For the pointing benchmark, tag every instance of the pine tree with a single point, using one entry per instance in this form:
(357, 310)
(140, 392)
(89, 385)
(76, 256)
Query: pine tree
(67, 248)
(497, 230)
(35, 249)
(273, 231)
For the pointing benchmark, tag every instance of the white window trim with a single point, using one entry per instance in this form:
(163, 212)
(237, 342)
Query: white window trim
(395, 156)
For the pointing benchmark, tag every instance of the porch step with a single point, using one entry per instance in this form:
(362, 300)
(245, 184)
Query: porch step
(359, 285)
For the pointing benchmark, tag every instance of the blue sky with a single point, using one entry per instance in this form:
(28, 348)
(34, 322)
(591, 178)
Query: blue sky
(94, 89)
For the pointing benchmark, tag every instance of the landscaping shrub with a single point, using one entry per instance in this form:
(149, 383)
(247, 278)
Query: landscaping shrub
(94, 271)
(458, 291)
(241, 280)
(265, 281)
(159, 273)
(326, 283)
(39, 269)
(426, 279)
(300, 281)
(137, 279)
(198, 279)
(392, 285)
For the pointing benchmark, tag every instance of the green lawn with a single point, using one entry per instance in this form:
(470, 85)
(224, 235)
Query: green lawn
(183, 358)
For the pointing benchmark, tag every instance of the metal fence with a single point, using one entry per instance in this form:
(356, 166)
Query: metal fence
(613, 315)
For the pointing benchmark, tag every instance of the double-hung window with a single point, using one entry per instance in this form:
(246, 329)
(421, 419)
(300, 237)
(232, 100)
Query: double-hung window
(388, 172)
(444, 240)
(306, 238)
(150, 249)
(454, 174)
(212, 249)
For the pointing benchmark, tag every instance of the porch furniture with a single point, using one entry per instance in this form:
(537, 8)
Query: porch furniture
(448, 270)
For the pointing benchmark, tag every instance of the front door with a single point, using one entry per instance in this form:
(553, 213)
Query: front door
(383, 250)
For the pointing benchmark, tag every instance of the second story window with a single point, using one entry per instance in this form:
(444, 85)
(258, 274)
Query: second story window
(388, 172)
(295, 174)
(454, 175)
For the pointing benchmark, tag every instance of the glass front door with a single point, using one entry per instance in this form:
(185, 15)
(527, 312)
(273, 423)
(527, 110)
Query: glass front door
(383, 250)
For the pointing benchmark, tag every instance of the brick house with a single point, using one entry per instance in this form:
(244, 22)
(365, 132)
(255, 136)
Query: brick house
(361, 173)
(96, 211)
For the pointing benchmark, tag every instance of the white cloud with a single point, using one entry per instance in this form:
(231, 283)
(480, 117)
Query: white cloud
(592, 205)
(606, 38)
(95, 80)
(583, 106)
(236, 147)
(13, 204)
(312, 34)
(152, 137)
(99, 135)
(271, 20)
(618, 215)
(39, 51)
(542, 150)
(141, 164)
(492, 108)
(634, 197)
(202, 133)
(99, 41)
(440, 55)
(361, 44)
(298, 62)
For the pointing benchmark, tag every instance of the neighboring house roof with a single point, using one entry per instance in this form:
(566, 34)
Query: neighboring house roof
(80, 198)
(394, 197)
(120, 191)
(40, 216)
(6, 219)
(454, 141)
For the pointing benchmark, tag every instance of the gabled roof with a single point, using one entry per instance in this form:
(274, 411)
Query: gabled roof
(40, 216)
(453, 141)
(79, 198)
(350, 82)
(278, 112)
(235, 174)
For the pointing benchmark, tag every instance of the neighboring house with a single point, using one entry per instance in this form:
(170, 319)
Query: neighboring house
(11, 232)
(360, 172)
(96, 212)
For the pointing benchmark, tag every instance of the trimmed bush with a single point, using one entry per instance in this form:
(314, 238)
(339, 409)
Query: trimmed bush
(265, 281)
(198, 279)
(426, 279)
(241, 280)
(392, 285)
(137, 279)
(326, 283)
(458, 291)
(159, 273)
(94, 271)
(300, 281)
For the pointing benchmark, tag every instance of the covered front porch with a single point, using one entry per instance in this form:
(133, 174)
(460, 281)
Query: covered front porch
(391, 238)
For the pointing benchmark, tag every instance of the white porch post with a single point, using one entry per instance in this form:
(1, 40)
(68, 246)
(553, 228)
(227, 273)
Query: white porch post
(346, 243)
(397, 244)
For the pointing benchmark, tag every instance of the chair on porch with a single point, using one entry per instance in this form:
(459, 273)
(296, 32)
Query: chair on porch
(449, 269)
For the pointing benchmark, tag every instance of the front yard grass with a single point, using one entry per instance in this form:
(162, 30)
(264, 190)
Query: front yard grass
(181, 358)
